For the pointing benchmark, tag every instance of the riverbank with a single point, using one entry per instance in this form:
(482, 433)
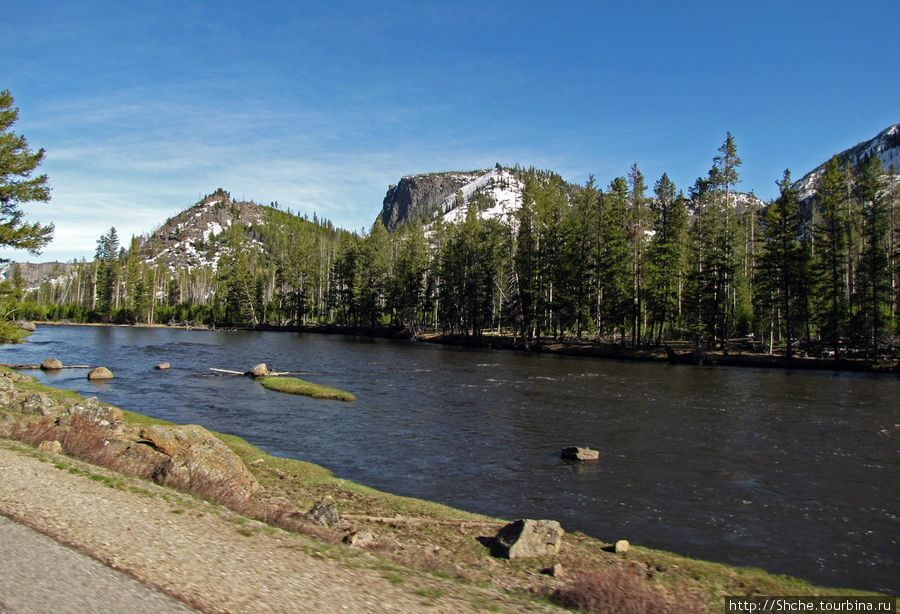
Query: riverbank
(680, 353)
(676, 353)
(420, 539)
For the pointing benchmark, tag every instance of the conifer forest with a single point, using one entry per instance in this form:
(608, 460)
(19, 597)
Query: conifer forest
(636, 262)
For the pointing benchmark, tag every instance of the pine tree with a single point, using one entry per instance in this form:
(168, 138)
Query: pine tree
(636, 223)
(664, 256)
(235, 276)
(107, 273)
(830, 265)
(614, 269)
(873, 285)
(18, 186)
(784, 263)
(725, 178)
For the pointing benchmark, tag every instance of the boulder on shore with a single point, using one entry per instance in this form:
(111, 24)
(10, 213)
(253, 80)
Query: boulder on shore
(51, 364)
(259, 370)
(580, 454)
(100, 373)
(529, 538)
(199, 463)
(622, 546)
(324, 513)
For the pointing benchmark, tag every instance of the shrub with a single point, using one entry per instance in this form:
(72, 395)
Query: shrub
(623, 591)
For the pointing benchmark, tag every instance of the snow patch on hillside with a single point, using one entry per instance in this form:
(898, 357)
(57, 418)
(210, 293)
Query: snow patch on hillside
(502, 187)
(884, 145)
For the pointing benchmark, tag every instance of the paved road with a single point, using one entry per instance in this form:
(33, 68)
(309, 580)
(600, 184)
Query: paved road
(40, 575)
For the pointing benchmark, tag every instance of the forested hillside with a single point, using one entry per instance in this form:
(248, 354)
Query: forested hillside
(633, 262)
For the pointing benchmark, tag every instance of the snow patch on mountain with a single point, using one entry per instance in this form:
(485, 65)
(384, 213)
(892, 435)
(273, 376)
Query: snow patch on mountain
(190, 239)
(501, 187)
(885, 145)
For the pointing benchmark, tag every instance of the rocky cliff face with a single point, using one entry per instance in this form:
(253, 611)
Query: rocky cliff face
(417, 197)
(35, 274)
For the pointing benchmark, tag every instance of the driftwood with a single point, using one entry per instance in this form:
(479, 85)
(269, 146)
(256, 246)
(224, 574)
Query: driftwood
(230, 372)
(410, 520)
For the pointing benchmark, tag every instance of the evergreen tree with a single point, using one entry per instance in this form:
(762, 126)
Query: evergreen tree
(711, 262)
(235, 276)
(524, 273)
(374, 270)
(636, 224)
(784, 262)
(18, 186)
(873, 284)
(107, 273)
(725, 178)
(406, 294)
(614, 269)
(664, 256)
(830, 265)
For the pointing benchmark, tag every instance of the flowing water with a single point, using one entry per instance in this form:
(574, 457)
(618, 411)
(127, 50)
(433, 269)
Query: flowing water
(793, 472)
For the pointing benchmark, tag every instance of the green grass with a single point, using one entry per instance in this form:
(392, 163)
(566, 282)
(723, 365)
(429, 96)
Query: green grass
(293, 385)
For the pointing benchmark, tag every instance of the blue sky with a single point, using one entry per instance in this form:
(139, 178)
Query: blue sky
(143, 107)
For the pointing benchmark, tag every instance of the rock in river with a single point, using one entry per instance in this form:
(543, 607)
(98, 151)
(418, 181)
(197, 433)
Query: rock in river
(100, 373)
(580, 454)
(259, 370)
(51, 364)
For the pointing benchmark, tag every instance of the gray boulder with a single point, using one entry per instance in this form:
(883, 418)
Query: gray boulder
(324, 513)
(259, 370)
(91, 411)
(529, 539)
(39, 404)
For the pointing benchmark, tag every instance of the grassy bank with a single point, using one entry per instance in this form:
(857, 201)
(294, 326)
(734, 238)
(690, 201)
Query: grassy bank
(426, 537)
(293, 385)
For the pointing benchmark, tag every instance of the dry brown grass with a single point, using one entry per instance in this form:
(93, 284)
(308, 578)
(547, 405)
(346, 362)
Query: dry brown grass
(624, 590)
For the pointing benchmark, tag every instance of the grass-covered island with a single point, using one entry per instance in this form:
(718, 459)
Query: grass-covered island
(407, 541)
(293, 385)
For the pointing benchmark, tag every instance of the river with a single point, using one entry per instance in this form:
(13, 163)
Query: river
(793, 472)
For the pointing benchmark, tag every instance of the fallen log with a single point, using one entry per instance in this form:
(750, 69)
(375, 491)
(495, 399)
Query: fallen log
(230, 372)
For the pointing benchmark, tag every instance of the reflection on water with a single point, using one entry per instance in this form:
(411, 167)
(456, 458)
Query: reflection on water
(791, 472)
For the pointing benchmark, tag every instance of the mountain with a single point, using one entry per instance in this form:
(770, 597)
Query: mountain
(33, 274)
(417, 197)
(885, 145)
(191, 238)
